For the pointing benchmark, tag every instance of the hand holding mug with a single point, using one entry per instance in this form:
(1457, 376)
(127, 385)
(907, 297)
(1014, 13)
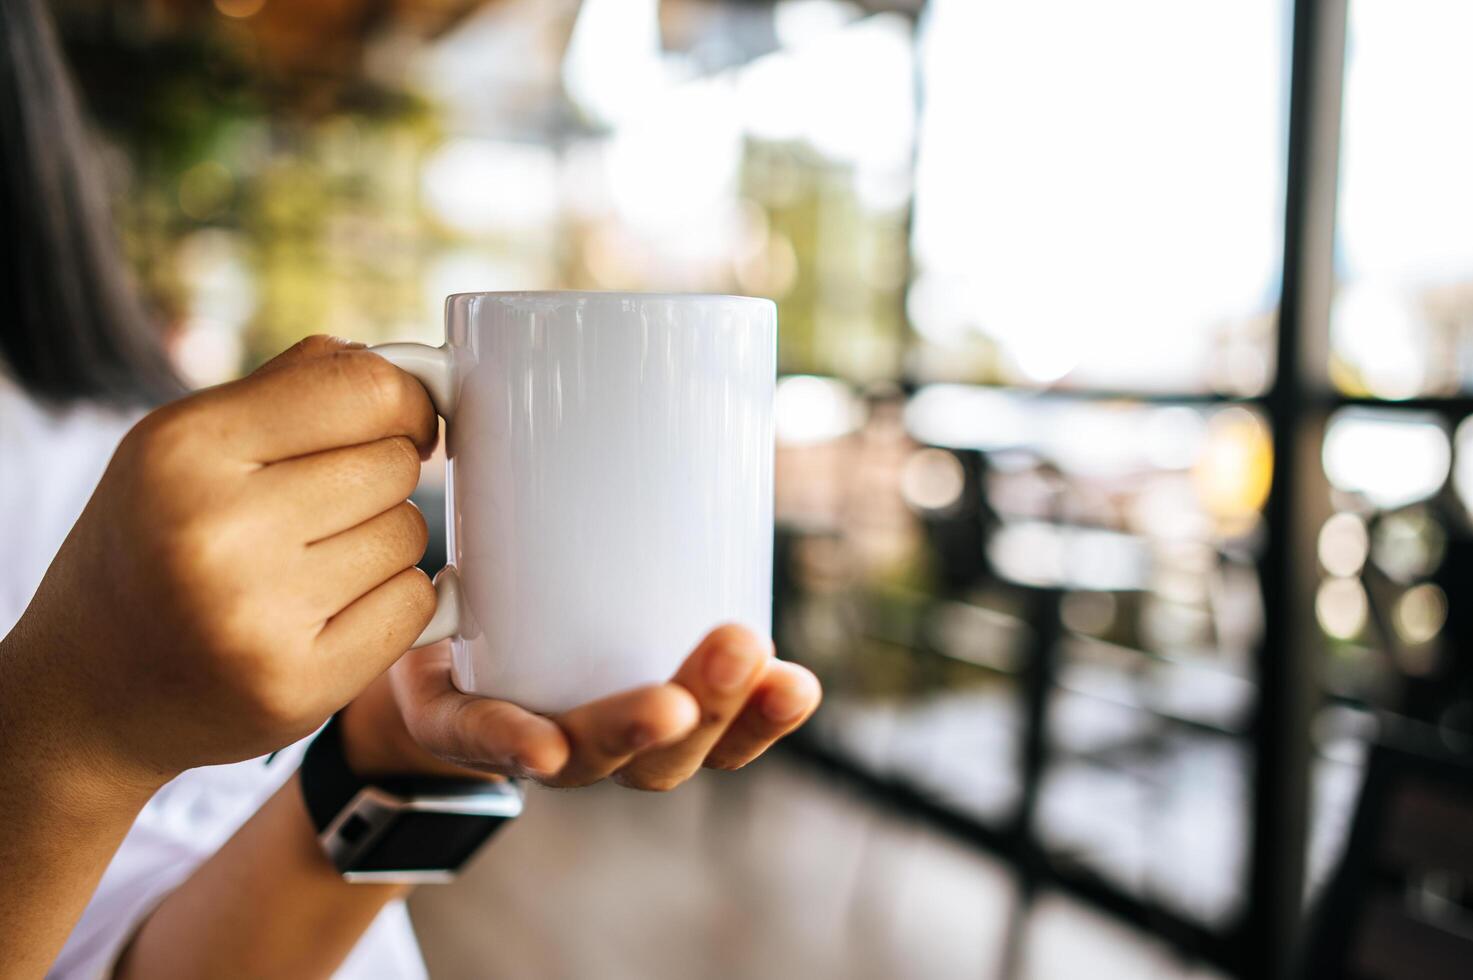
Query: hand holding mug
(244, 569)
(727, 703)
(609, 499)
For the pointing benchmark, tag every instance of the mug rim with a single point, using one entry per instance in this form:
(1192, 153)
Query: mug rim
(606, 294)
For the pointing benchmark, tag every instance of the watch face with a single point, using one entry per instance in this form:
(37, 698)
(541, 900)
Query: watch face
(421, 841)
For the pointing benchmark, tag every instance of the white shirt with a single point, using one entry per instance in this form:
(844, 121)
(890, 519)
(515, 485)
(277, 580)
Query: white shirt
(49, 465)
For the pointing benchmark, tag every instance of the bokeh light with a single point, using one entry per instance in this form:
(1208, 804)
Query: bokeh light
(1341, 608)
(1407, 545)
(1344, 545)
(1235, 470)
(1389, 460)
(1420, 613)
(932, 479)
(810, 410)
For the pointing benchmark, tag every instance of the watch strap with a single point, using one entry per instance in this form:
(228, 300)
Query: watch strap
(328, 784)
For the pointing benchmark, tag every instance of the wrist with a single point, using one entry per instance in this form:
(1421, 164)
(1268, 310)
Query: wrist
(377, 743)
(57, 753)
(375, 739)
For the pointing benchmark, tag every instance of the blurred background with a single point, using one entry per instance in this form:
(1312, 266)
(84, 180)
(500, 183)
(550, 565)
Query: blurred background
(1124, 482)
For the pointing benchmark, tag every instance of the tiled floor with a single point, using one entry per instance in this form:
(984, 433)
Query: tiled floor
(763, 875)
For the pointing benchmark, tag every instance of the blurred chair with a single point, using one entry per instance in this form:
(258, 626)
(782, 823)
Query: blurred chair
(957, 533)
(1401, 903)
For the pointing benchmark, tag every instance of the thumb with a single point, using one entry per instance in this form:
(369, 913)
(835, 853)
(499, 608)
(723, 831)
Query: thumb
(472, 732)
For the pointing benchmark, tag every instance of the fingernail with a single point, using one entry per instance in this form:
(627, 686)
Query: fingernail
(727, 669)
(784, 704)
(638, 736)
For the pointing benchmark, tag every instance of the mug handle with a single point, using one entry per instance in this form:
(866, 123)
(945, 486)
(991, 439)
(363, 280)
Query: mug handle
(433, 368)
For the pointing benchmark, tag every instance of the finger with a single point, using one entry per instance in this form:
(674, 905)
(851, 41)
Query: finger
(604, 735)
(308, 347)
(308, 404)
(787, 697)
(721, 674)
(314, 497)
(360, 642)
(347, 565)
(471, 732)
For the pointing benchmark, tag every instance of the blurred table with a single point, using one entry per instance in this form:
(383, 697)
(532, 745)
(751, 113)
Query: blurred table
(767, 873)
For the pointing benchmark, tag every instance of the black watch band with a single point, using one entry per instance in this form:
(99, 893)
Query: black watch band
(410, 829)
(327, 783)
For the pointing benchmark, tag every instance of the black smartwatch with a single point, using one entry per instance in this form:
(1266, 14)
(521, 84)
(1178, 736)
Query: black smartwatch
(412, 830)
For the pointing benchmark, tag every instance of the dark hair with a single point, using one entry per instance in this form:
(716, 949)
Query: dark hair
(72, 325)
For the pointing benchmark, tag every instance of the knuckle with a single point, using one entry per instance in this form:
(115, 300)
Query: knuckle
(189, 547)
(401, 461)
(276, 701)
(204, 544)
(464, 736)
(419, 595)
(405, 534)
(161, 437)
(234, 634)
(257, 671)
(315, 345)
(416, 529)
(392, 468)
(381, 383)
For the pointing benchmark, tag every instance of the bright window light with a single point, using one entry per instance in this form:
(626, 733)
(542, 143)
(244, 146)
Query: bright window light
(1105, 178)
(1390, 460)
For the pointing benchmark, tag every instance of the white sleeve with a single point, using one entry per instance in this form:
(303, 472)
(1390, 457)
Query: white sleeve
(186, 822)
(124, 901)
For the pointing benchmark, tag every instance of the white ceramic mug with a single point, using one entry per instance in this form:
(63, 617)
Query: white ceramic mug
(608, 485)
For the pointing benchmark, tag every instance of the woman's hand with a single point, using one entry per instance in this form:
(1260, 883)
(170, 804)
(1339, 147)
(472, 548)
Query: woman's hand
(724, 707)
(244, 569)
